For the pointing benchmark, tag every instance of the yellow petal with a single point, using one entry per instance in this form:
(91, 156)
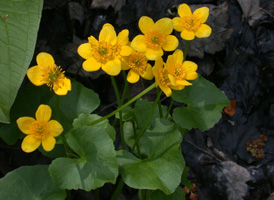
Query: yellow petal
(152, 54)
(182, 82)
(177, 87)
(48, 142)
(108, 34)
(145, 24)
(148, 75)
(178, 56)
(171, 43)
(124, 65)
(112, 67)
(191, 76)
(190, 66)
(91, 65)
(166, 90)
(63, 90)
(172, 79)
(44, 59)
(54, 128)
(43, 113)
(35, 75)
(165, 25)
(84, 50)
(202, 14)
(184, 10)
(204, 31)
(92, 41)
(138, 43)
(177, 24)
(187, 35)
(30, 144)
(123, 37)
(157, 66)
(133, 76)
(25, 124)
(126, 51)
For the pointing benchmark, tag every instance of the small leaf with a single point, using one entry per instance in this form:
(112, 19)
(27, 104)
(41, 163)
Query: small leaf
(95, 166)
(31, 183)
(18, 32)
(205, 103)
(86, 119)
(184, 179)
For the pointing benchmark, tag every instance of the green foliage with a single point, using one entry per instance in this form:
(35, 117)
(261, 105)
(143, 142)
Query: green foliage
(18, 32)
(205, 103)
(96, 164)
(163, 166)
(179, 194)
(31, 183)
(79, 100)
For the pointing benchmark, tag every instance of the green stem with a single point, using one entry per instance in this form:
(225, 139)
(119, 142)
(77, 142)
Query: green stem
(148, 194)
(147, 121)
(185, 51)
(57, 110)
(135, 137)
(120, 112)
(125, 105)
(169, 108)
(160, 105)
(118, 190)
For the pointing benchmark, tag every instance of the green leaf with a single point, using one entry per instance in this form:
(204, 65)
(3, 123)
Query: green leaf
(127, 114)
(86, 118)
(79, 100)
(95, 166)
(205, 103)
(31, 183)
(26, 103)
(163, 167)
(142, 109)
(179, 194)
(18, 30)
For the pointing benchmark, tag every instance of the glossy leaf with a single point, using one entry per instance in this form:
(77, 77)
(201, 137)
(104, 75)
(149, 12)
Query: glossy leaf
(95, 166)
(19, 23)
(31, 183)
(163, 166)
(205, 103)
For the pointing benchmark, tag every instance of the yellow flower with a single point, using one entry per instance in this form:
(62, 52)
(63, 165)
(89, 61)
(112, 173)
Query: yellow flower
(138, 65)
(179, 71)
(46, 72)
(106, 52)
(156, 37)
(161, 77)
(191, 25)
(40, 130)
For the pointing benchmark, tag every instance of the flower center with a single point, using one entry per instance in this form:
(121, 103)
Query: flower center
(138, 62)
(191, 23)
(39, 129)
(163, 78)
(103, 52)
(53, 76)
(177, 71)
(154, 39)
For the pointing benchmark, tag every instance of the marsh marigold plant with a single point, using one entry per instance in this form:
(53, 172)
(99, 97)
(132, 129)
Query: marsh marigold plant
(156, 38)
(39, 131)
(47, 72)
(106, 52)
(190, 24)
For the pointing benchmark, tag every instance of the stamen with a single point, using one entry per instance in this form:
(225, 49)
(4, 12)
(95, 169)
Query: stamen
(39, 129)
(191, 23)
(154, 39)
(53, 76)
(103, 52)
(138, 62)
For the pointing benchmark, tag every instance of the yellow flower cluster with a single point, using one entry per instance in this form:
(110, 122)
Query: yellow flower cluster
(113, 53)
